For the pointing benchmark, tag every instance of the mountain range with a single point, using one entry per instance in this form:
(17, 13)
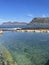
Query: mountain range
(14, 23)
(37, 20)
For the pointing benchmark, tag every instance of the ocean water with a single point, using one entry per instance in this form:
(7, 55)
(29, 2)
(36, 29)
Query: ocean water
(27, 48)
(26, 26)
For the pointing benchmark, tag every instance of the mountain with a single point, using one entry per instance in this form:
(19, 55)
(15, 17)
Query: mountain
(14, 23)
(37, 20)
(40, 20)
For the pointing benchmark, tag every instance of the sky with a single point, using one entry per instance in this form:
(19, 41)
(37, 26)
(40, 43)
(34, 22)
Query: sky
(23, 10)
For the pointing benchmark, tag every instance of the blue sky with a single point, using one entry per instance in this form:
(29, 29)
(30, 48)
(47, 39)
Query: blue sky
(23, 10)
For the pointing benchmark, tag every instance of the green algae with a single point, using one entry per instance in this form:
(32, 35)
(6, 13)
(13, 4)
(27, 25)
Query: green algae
(6, 55)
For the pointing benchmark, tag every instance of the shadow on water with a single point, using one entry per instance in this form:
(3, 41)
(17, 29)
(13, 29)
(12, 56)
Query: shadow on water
(47, 63)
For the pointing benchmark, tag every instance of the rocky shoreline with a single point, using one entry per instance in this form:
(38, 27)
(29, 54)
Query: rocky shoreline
(26, 30)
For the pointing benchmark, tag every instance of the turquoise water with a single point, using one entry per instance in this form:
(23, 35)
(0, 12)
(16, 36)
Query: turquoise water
(27, 48)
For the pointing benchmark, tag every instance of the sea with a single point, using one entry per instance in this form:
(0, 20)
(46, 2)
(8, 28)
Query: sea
(26, 48)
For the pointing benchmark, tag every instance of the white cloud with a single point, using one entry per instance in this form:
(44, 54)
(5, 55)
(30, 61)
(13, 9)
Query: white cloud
(44, 15)
(1, 19)
(30, 15)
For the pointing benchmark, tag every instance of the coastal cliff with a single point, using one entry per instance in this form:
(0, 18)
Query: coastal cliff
(40, 20)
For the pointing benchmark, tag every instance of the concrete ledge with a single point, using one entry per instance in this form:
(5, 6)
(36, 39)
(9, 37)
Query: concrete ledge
(1, 31)
(26, 30)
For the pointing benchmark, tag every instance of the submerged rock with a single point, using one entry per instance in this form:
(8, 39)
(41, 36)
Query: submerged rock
(47, 63)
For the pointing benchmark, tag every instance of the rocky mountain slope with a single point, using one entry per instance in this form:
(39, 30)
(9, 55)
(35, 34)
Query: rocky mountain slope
(40, 20)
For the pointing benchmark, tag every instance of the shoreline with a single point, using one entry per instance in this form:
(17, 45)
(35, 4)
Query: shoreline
(26, 30)
(32, 30)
